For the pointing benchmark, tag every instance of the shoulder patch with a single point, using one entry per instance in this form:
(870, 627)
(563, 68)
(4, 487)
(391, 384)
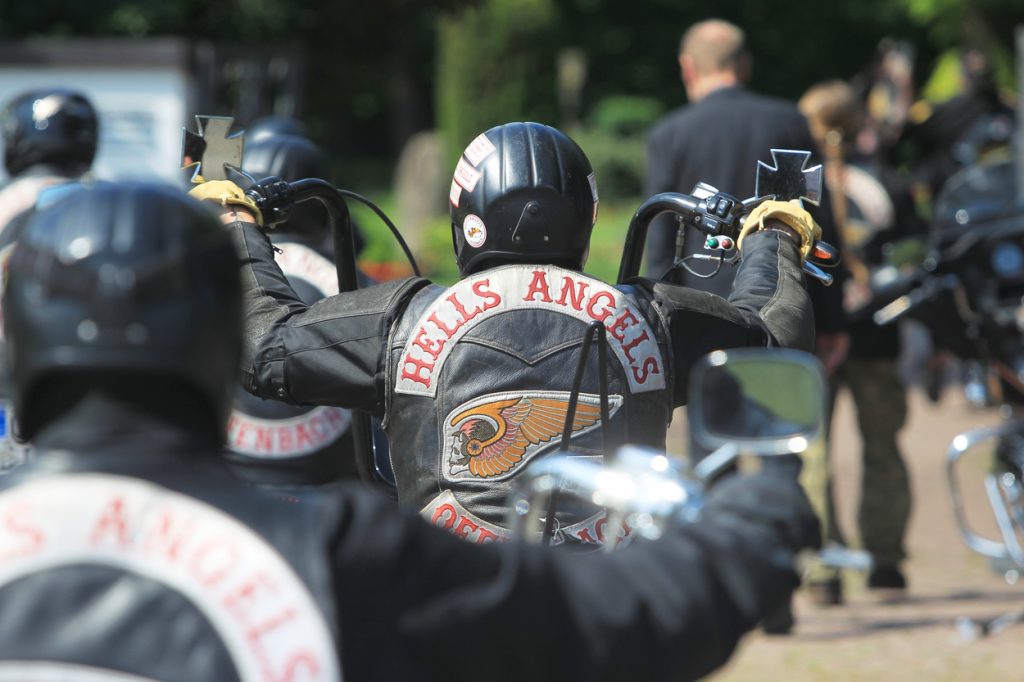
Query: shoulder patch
(301, 261)
(528, 287)
(872, 201)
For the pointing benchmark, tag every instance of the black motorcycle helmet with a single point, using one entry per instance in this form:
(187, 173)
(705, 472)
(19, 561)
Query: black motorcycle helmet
(272, 126)
(133, 280)
(522, 193)
(57, 127)
(290, 157)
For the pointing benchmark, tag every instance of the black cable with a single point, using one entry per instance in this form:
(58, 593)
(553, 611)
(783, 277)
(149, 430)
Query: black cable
(387, 221)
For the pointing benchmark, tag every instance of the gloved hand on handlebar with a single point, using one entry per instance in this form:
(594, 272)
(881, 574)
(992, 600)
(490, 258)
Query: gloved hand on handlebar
(226, 194)
(792, 214)
(772, 497)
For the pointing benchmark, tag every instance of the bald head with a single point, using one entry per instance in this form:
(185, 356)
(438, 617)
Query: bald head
(712, 54)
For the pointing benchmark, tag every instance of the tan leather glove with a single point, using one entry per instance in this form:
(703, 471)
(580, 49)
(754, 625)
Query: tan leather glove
(789, 212)
(226, 193)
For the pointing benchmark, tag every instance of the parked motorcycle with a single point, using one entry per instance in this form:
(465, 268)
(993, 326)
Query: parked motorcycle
(970, 295)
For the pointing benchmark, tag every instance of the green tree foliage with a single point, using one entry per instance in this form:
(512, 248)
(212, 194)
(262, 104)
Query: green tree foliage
(369, 65)
(972, 22)
(495, 64)
(614, 137)
(951, 25)
(375, 68)
(633, 46)
(244, 20)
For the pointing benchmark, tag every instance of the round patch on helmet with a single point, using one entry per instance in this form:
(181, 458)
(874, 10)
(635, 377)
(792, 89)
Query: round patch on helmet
(475, 231)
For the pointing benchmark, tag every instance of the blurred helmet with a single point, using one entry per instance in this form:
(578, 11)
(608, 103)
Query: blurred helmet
(270, 126)
(522, 193)
(136, 279)
(289, 157)
(54, 126)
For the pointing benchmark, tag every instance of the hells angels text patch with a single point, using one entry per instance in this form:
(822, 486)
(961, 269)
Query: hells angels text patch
(529, 287)
(261, 610)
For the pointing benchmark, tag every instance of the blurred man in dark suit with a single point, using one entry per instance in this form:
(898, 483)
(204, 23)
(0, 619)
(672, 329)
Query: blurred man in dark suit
(718, 138)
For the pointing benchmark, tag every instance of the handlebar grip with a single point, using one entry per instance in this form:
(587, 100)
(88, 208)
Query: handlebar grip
(824, 254)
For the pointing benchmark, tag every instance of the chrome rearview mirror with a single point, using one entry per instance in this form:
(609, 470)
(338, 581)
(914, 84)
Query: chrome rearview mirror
(762, 401)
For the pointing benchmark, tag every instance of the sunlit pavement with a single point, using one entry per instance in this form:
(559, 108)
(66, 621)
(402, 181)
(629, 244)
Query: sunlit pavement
(916, 638)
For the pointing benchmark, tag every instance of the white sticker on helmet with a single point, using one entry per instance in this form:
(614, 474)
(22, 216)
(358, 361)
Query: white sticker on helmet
(466, 175)
(454, 194)
(475, 231)
(479, 149)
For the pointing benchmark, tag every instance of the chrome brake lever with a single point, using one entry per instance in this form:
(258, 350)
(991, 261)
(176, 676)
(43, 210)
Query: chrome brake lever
(819, 274)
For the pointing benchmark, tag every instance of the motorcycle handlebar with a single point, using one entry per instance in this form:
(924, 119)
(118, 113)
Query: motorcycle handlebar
(341, 226)
(927, 289)
(706, 215)
(683, 205)
(275, 197)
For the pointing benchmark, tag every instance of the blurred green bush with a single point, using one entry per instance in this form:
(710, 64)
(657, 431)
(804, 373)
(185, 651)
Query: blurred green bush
(614, 138)
(494, 65)
(625, 115)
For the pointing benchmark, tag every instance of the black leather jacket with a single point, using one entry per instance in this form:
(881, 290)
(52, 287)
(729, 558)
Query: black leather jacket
(272, 443)
(472, 381)
(135, 551)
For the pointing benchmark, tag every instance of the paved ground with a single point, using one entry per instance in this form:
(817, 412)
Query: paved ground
(916, 639)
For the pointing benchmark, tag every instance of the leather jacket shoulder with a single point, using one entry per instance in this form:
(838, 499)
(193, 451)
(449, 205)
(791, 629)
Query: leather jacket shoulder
(328, 353)
(162, 569)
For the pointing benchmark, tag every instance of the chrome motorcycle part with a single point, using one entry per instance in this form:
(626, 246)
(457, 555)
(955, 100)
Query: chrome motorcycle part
(639, 491)
(767, 401)
(1003, 487)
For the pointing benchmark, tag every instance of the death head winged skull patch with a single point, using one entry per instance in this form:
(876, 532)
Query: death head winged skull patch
(493, 436)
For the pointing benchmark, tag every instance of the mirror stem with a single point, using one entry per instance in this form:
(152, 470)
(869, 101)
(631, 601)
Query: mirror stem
(713, 464)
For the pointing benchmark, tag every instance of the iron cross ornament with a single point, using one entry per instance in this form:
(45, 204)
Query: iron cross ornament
(212, 152)
(788, 179)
